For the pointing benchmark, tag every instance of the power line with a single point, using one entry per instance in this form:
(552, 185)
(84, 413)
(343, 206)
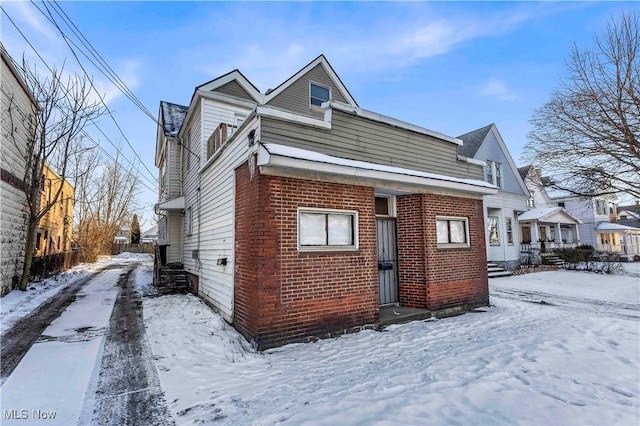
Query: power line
(109, 112)
(110, 73)
(67, 91)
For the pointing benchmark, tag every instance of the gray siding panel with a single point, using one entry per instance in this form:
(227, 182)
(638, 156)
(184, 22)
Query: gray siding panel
(490, 150)
(295, 98)
(233, 88)
(361, 139)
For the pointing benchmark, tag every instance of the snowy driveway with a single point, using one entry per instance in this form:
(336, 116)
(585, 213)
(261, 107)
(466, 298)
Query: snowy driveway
(89, 362)
(555, 348)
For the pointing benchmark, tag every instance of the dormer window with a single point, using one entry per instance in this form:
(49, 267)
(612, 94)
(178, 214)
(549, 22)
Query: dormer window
(318, 94)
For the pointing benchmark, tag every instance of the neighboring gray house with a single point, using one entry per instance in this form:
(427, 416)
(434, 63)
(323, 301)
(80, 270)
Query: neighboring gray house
(17, 98)
(486, 146)
(302, 213)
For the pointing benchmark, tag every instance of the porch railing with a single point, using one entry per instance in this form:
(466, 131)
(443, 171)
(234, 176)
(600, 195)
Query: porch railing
(545, 246)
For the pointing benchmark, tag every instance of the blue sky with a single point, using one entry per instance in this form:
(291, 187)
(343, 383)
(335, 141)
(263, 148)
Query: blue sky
(449, 66)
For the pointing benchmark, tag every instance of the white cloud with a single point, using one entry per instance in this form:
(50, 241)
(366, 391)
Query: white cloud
(498, 88)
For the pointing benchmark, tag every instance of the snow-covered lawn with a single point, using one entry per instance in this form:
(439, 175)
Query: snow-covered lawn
(555, 348)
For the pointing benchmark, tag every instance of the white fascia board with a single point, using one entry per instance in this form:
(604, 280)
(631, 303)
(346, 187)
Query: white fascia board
(226, 99)
(269, 112)
(372, 172)
(471, 160)
(374, 116)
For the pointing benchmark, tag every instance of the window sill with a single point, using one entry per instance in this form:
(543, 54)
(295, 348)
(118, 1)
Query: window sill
(453, 246)
(328, 250)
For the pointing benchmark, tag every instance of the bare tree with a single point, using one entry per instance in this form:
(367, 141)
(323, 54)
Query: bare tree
(586, 137)
(63, 111)
(105, 203)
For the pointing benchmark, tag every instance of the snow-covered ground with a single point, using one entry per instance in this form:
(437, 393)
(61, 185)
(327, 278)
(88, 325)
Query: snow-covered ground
(554, 348)
(19, 304)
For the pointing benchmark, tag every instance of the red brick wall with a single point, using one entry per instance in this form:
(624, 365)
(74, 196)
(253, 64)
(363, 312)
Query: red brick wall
(411, 251)
(447, 277)
(282, 295)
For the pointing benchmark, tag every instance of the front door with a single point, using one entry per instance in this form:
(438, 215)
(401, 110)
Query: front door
(387, 260)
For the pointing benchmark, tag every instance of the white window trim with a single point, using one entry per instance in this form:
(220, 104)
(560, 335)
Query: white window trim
(319, 85)
(466, 230)
(328, 248)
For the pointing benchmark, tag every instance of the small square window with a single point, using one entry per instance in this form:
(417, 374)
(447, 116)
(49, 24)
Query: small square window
(327, 230)
(318, 94)
(452, 232)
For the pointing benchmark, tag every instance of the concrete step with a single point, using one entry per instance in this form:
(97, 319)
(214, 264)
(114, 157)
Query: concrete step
(498, 274)
(495, 269)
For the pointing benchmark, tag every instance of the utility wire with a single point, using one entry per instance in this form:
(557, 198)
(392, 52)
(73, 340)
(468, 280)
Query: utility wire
(109, 112)
(109, 72)
(67, 91)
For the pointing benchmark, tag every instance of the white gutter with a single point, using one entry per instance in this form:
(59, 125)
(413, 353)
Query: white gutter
(278, 156)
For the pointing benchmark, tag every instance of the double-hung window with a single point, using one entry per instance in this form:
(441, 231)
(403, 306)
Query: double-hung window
(498, 181)
(452, 232)
(488, 172)
(318, 94)
(321, 230)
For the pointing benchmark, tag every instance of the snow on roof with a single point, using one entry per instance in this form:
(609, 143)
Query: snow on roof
(542, 213)
(608, 226)
(559, 193)
(172, 117)
(303, 154)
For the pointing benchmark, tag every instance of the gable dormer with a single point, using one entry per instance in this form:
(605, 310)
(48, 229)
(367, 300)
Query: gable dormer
(306, 90)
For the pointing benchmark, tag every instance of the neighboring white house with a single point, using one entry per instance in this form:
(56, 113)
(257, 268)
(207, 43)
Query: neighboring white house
(596, 215)
(486, 146)
(123, 236)
(150, 235)
(18, 107)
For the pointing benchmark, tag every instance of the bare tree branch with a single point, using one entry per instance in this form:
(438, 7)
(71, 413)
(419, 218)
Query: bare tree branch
(587, 136)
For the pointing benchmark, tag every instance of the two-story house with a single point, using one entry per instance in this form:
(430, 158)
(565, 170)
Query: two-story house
(595, 218)
(501, 210)
(18, 110)
(54, 228)
(303, 213)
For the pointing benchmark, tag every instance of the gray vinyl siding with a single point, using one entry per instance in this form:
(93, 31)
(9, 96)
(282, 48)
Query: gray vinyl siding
(13, 207)
(584, 209)
(295, 98)
(358, 138)
(234, 89)
(491, 150)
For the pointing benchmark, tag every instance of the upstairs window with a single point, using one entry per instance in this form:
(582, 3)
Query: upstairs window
(601, 207)
(318, 94)
(498, 181)
(488, 172)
